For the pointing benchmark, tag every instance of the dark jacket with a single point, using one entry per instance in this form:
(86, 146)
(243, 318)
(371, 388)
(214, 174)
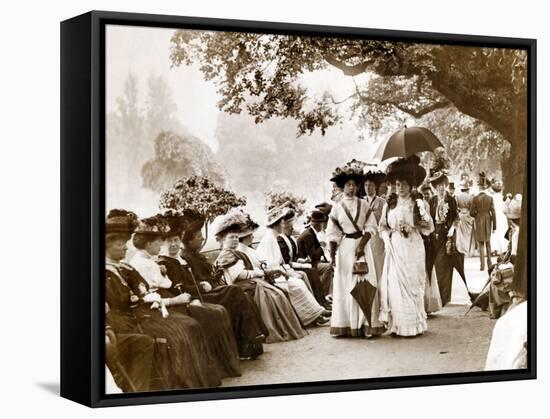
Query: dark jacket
(308, 245)
(483, 211)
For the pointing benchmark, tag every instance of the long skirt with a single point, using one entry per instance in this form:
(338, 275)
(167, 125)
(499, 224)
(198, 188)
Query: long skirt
(402, 286)
(465, 241)
(303, 301)
(246, 320)
(276, 311)
(189, 361)
(347, 317)
(445, 264)
(216, 326)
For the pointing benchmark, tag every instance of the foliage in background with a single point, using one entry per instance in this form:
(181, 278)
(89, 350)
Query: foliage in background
(260, 74)
(278, 198)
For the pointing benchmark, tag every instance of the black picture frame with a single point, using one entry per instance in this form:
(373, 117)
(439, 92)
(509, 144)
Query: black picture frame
(83, 208)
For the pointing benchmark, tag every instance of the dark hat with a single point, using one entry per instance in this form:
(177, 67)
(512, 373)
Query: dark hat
(324, 207)
(121, 221)
(374, 174)
(318, 216)
(438, 176)
(153, 226)
(174, 219)
(352, 170)
(425, 187)
(451, 185)
(408, 169)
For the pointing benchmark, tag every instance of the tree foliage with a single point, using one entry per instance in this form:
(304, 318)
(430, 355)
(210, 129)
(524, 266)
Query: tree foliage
(178, 157)
(278, 198)
(260, 74)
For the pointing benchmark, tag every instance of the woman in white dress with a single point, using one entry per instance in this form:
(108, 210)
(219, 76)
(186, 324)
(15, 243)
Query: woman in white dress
(499, 244)
(308, 309)
(403, 220)
(349, 228)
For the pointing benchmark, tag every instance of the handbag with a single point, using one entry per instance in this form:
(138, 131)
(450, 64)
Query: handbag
(360, 267)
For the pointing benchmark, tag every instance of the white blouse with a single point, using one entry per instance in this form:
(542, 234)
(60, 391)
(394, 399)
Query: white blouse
(145, 264)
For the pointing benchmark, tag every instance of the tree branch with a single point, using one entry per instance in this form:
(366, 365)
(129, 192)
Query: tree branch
(348, 70)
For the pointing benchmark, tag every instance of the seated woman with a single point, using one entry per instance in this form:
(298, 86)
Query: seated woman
(246, 322)
(275, 308)
(133, 310)
(308, 309)
(299, 266)
(148, 239)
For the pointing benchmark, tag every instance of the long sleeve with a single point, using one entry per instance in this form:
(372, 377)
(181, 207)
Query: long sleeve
(383, 227)
(334, 231)
(232, 272)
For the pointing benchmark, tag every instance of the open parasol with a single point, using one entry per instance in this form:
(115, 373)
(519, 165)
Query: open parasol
(408, 141)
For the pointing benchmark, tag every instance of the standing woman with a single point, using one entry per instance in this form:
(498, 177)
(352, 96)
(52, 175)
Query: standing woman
(348, 231)
(403, 221)
(443, 209)
(499, 244)
(465, 242)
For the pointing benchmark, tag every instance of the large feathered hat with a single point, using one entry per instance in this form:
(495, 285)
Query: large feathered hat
(233, 221)
(374, 173)
(439, 172)
(153, 226)
(408, 169)
(276, 214)
(121, 221)
(352, 170)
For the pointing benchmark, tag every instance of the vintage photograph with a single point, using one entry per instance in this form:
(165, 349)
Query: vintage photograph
(286, 208)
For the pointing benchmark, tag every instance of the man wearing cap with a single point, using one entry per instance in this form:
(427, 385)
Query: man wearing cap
(309, 247)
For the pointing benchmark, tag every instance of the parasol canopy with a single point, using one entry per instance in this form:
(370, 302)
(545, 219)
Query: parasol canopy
(408, 141)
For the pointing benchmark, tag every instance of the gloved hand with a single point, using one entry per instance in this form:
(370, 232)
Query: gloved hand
(196, 303)
(152, 297)
(206, 287)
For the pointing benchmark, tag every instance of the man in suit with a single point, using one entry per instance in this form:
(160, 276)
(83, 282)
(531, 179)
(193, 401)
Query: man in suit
(309, 247)
(485, 223)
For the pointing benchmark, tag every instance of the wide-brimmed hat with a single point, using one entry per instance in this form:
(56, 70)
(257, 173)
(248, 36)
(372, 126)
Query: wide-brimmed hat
(318, 216)
(175, 220)
(408, 169)
(277, 213)
(233, 221)
(373, 173)
(250, 227)
(120, 221)
(352, 170)
(438, 176)
(155, 226)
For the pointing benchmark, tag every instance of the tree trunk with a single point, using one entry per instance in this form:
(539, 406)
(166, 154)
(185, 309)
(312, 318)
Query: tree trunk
(514, 168)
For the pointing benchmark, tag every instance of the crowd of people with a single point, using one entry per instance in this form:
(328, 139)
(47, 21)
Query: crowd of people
(377, 260)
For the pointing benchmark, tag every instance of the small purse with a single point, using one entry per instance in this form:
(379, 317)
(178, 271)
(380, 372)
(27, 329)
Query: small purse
(360, 267)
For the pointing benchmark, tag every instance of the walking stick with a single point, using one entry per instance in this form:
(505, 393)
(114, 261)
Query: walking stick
(478, 296)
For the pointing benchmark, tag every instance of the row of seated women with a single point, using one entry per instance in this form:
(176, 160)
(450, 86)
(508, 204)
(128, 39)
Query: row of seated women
(172, 322)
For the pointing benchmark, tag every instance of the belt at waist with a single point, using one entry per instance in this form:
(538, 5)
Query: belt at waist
(356, 235)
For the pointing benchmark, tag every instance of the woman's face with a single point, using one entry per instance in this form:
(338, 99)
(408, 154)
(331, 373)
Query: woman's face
(370, 187)
(440, 189)
(383, 188)
(116, 249)
(153, 247)
(230, 241)
(350, 188)
(402, 188)
(173, 245)
(196, 242)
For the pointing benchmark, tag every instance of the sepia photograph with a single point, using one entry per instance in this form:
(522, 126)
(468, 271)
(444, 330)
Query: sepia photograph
(286, 208)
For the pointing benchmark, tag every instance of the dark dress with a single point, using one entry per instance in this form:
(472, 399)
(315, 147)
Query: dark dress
(132, 366)
(290, 255)
(483, 211)
(178, 336)
(246, 320)
(437, 255)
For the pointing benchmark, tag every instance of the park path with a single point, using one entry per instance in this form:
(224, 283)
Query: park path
(453, 343)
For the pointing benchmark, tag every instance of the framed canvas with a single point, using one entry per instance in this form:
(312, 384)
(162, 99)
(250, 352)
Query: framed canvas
(254, 209)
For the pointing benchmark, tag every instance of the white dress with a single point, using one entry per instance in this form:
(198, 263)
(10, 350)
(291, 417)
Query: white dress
(348, 318)
(403, 284)
(498, 241)
(303, 301)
